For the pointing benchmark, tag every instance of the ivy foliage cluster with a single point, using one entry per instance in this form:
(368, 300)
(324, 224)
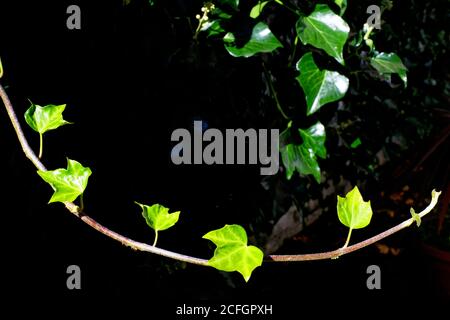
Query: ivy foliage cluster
(321, 32)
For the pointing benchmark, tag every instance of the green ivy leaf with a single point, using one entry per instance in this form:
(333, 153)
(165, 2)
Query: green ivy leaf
(261, 40)
(291, 157)
(303, 158)
(43, 119)
(320, 86)
(68, 183)
(314, 139)
(232, 252)
(353, 211)
(213, 28)
(325, 30)
(256, 10)
(158, 217)
(388, 63)
(342, 4)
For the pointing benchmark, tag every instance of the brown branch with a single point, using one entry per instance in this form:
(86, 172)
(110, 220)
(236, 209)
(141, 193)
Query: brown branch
(341, 251)
(16, 124)
(76, 210)
(180, 257)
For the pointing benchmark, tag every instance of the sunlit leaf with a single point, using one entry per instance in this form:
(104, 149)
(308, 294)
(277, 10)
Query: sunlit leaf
(43, 119)
(389, 63)
(158, 217)
(325, 30)
(320, 86)
(68, 183)
(261, 40)
(257, 9)
(353, 211)
(232, 252)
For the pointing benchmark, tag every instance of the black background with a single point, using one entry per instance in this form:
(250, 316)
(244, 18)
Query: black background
(125, 97)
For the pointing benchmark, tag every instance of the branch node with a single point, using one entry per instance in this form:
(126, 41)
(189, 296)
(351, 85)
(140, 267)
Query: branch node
(415, 216)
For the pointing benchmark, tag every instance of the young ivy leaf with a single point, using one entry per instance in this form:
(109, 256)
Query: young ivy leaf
(325, 30)
(232, 252)
(320, 86)
(353, 211)
(43, 119)
(68, 183)
(158, 218)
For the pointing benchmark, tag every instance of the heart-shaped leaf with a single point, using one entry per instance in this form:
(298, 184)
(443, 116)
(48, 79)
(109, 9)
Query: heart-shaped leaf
(256, 10)
(232, 252)
(388, 63)
(158, 217)
(43, 119)
(68, 183)
(303, 158)
(261, 40)
(320, 86)
(325, 30)
(353, 211)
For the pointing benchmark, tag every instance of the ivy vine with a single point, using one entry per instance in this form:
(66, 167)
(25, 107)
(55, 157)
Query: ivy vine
(320, 32)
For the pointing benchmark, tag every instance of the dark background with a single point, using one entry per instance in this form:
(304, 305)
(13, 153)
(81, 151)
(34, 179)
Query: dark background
(129, 77)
